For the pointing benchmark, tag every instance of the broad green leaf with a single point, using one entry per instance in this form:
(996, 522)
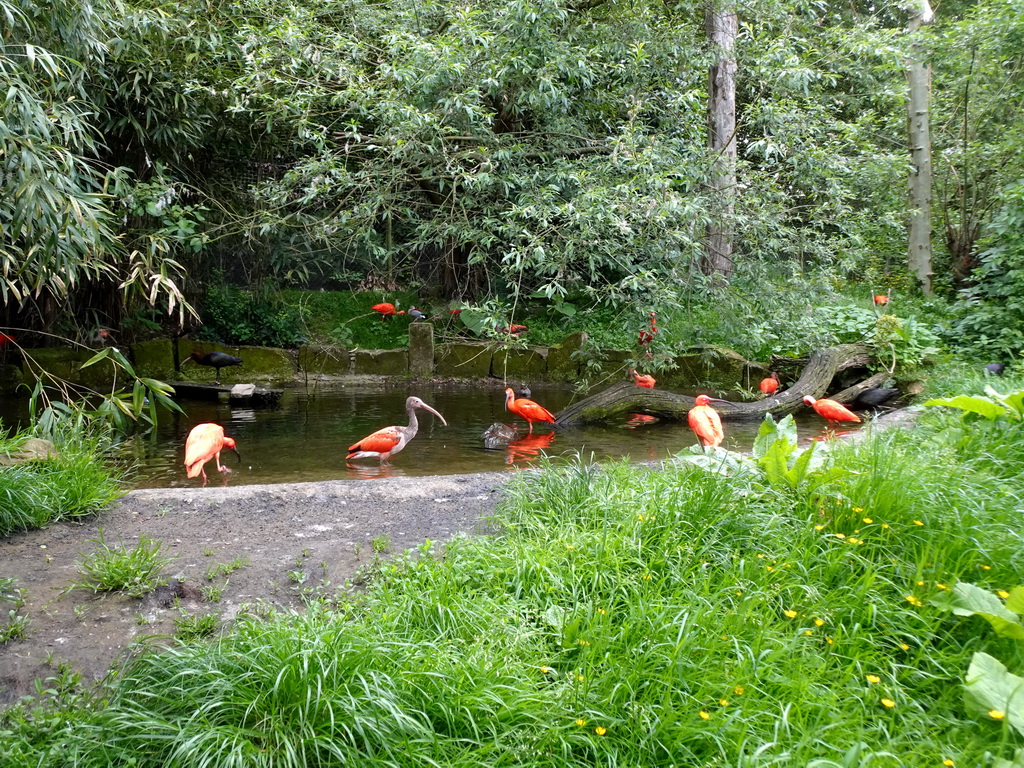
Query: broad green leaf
(991, 688)
(970, 404)
(1017, 762)
(775, 464)
(103, 354)
(1015, 602)
(966, 599)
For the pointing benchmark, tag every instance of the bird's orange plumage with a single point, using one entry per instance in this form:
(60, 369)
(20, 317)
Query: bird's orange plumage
(705, 422)
(642, 380)
(831, 410)
(527, 409)
(204, 442)
(881, 299)
(381, 441)
(386, 308)
(770, 385)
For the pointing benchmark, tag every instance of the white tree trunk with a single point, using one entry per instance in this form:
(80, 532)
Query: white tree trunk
(919, 234)
(721, 25)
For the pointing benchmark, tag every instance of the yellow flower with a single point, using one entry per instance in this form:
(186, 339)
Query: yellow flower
(768, 568)
(940, 586)
(985, 567)
(852, 540)
(580, 678)
(545, 670)
(888, 703)
(858, 509)
(640, 518)
(996, 714)
(790, 613)
(808, 631)
(569, 546)
(760, 556)
(874, 679)
(646, 577)
(840, 535)
(828, 640)
(581, 722)
(724, 702)
(918, 522)
(868, 520)
(949, 763)
(819, 622)
(738, 690)
(904, 646)
(920, 583)
(704, 715)
(1003, 593)
(914, 601)
(819, 527)
(600, 730)
(885, 526)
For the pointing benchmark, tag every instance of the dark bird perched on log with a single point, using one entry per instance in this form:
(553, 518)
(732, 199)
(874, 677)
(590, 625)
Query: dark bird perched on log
(995, 369)
(215, 360)
(873, 397)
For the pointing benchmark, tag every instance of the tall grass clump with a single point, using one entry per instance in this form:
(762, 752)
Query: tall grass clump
(625, 616)
(73, 483)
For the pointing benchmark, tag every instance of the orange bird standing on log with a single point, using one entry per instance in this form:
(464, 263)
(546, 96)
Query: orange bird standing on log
(770, 385)
(705, 422)
(831, 411)
(527, 409)
(386, 310)
(642, 380)
(386, 442)
(205, 442)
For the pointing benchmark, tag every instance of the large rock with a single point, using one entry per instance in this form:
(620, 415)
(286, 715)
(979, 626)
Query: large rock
(421, 349)
(525, 364)
(154, 359)
(562, 366)
(325, 360)
(614, 362)
(465, 361)
(33, 449)
(382, 362)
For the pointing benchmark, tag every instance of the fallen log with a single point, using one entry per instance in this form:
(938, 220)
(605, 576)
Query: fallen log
(626, 397)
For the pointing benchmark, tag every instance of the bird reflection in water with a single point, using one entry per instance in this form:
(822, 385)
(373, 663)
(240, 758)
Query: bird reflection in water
(373, 471)
(834, 433)
(528, 448)
(639, 420)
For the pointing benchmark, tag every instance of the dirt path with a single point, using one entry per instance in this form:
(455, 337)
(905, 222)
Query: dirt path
(293, 537)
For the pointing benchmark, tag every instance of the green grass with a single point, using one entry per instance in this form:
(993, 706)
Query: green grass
(626, 616)
(135, 571)
(73, 484)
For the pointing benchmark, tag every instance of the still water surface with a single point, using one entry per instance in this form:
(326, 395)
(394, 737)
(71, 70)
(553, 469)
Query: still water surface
(305, 437)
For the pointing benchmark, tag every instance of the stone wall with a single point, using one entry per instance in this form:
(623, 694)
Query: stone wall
(169, 360)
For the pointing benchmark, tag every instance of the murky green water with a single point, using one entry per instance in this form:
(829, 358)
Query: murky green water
(305, 438)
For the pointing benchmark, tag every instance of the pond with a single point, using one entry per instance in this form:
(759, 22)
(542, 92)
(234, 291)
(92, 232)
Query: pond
(305, 437)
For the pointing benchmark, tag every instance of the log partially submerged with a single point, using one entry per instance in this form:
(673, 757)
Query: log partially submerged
(625, 397)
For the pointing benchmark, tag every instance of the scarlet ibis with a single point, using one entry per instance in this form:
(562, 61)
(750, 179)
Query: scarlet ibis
(386, 310)
(705, 422)
(831, 411)
(996, 369)
(642, 380)
(770, 385)
(881, 299)
(386, 442)
(215, 360)
(874, 397)
(417, 314)
(527, 409)
(648, 333)
(205, 442)
(513, 330)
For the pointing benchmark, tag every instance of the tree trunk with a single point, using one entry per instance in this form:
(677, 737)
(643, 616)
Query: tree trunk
(919, 236)
(625, 397)
(721, 25)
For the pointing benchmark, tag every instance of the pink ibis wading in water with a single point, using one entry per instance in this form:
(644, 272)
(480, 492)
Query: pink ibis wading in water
(527, 409)
(385, 443)
(205, 442)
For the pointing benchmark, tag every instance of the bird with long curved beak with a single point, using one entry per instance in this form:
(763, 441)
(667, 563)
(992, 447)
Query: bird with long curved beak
(831, 411)
(205, 442)
(527, 409)
(705, 421)
(386, 442)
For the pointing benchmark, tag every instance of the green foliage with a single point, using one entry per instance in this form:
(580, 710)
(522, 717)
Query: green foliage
(994, 407)
(235, 316)
(71, 484)
(345, 318)
(777, 453)
(189, 627)
(135, 571)
(991, 322)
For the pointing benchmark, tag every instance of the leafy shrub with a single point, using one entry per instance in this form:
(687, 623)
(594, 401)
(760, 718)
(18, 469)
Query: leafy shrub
(992, 316)
(233, 316)
(135, 571)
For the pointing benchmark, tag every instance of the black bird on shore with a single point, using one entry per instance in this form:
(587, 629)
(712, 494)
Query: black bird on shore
(215, 360)
(996, 369)
(873, 397)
